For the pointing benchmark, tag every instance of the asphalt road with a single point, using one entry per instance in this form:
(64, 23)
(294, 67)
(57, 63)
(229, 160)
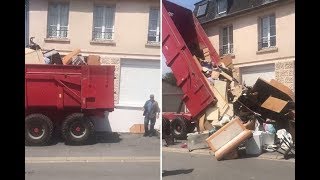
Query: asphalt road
(185, 166)
(107, 145)
(93, 171)
(117, 156)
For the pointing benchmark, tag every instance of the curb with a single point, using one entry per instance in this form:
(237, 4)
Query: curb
(211, 153)
(91, 159)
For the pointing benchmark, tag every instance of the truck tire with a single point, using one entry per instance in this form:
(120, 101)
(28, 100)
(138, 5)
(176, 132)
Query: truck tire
(77, 129)
(190, 126)
(166, 131)
(179, 128)
(38, 130)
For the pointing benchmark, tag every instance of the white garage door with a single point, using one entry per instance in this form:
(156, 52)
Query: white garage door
(250, 74)
(139, 79)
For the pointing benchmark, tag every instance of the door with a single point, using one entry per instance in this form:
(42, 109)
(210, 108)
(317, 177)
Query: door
(250, 74)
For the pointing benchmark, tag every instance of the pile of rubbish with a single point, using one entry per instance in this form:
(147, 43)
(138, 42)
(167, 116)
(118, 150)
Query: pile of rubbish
(35, 55)
(258, 118)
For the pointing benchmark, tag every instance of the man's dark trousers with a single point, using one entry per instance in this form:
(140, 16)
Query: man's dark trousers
(152, 123)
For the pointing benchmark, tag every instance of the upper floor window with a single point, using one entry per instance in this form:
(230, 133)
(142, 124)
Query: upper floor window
(227, 40)
(222, 6)
(58, 16)
(154, 25)
(202, 9)
(103, 22)
(267, 35)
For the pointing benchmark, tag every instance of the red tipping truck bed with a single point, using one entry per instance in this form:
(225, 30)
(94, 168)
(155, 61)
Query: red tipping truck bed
(65, 96)
(183, 37)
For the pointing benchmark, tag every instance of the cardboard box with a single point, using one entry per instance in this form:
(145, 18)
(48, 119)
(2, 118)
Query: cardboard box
(221, 87)
(68, 58)
(137, 129)
(212, 114)
(282, 88)
(33, 56)
(226, 60)
(93, 60)
(201, 122)
(274, 104)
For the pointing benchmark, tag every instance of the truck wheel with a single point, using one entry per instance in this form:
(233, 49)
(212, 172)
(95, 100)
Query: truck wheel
(77, 129)
(179, 128)
(38, 130)
(166, 131)
(190, 126)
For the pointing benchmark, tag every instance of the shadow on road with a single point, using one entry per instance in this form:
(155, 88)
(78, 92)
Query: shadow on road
(107, 137)
(99, 137)
(176, 172)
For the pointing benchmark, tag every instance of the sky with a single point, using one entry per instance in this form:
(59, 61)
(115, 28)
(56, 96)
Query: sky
(184, 3)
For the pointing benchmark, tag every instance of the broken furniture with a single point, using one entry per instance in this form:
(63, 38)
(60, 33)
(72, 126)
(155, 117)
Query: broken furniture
(228, 138)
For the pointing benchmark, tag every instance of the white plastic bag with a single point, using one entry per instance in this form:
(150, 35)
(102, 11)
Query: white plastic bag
(283, 134)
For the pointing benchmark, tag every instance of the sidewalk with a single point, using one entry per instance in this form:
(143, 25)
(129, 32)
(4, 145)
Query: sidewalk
(177, 149)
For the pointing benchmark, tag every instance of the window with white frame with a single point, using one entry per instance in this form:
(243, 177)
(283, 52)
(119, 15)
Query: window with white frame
(58, 16)
(267, 32)
(103, 22)
(222, 6)
(154, 25)
(227, 40)
(202, 9)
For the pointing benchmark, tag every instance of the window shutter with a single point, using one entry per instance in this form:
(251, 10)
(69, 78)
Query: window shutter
(154, 25)
(109, 17)
(221, 41)
(52, 20)
(64, 13)
(231, 38)
(97, 22)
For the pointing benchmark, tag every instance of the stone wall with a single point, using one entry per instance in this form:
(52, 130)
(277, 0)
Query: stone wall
(285, 73)
(113, 61)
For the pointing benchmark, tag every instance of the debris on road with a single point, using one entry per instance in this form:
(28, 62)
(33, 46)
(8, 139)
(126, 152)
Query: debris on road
(197, 141)
(227, 138)
(242, 114)
(261, 110)
(184, 145)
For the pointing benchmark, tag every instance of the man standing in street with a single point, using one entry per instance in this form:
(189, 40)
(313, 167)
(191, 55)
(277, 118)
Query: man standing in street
(151, 112)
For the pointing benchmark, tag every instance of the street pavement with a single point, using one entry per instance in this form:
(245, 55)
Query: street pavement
(93, 171)
(188, 166)
(124, 144)
(112, 156)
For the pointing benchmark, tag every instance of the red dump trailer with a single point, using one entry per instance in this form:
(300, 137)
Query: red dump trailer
(65, 97)
(182, 38)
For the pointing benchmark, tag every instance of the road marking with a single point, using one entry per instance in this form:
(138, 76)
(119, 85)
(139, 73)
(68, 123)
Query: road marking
(153, 159)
